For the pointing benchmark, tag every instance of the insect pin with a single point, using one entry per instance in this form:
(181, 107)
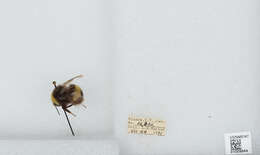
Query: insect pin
(67, 95)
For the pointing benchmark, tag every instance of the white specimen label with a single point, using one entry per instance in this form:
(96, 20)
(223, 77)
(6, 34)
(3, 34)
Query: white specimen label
(238, 143)
(146, 126)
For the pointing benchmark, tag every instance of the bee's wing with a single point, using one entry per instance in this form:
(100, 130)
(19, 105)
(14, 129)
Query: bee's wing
(67, 82)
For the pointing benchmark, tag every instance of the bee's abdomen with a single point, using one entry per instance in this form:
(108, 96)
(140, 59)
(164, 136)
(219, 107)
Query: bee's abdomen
(76, 94)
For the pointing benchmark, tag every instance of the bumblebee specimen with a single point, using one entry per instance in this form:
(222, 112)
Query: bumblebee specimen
(67, 95)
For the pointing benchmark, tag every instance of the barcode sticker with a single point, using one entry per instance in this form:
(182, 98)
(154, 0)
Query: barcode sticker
(238, 143)
(146, 126)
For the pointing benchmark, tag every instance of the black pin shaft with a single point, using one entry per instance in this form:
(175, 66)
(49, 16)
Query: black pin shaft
(69, 123)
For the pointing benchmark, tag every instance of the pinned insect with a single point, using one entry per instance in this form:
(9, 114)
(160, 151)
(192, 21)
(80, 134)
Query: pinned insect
(67, 95)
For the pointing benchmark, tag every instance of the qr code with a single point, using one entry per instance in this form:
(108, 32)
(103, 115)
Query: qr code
(236, 146)
(238, 143)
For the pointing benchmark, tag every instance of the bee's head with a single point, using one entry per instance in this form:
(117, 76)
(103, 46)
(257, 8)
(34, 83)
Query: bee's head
(54, 83)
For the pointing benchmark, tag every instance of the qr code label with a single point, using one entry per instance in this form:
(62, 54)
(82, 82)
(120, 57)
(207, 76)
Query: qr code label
(238, 143)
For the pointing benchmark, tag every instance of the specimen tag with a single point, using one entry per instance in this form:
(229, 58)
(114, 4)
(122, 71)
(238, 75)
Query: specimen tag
(238, 143)
(146, 126)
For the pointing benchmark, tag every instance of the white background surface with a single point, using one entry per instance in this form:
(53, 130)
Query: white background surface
(194, 64)
(58, 147)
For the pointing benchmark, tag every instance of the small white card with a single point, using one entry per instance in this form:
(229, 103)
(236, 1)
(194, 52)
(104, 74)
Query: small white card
(146, 126)
(238, 143)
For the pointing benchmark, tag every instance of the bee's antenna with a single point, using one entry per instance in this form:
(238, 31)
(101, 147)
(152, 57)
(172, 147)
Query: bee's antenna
(69, 123)
(54, 83)
(79, 76)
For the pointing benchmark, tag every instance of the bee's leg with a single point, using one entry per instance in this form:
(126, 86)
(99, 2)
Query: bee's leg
(69, 112)
(69, 105)
(83, 105)
(57, 110)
